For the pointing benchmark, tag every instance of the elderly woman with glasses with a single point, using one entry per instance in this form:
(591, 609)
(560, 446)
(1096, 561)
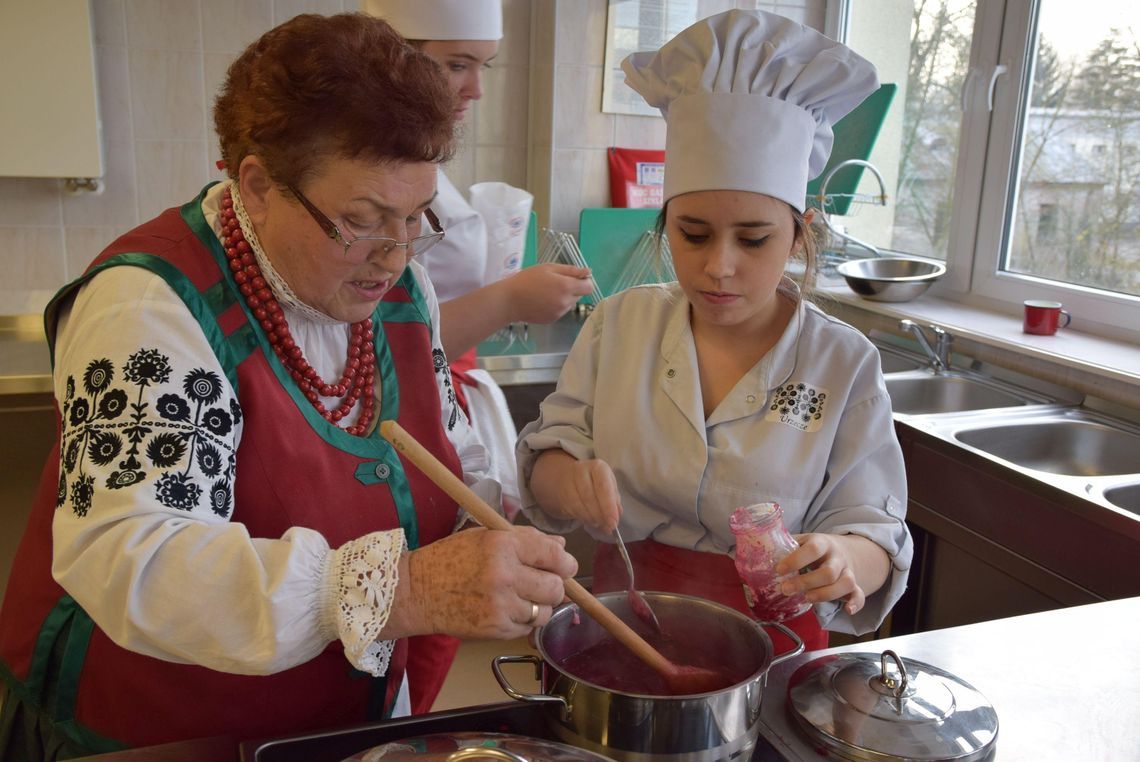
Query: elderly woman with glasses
(223, 544)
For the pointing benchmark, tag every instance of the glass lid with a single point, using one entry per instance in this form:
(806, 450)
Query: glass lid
(866, 706)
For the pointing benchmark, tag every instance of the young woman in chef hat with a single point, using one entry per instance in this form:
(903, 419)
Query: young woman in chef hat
(682, 402)
(463, 36)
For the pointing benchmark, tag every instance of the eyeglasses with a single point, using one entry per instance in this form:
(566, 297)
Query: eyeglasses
(413, 247)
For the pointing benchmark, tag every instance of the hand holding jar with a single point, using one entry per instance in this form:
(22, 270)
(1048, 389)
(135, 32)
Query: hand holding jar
(762, 541)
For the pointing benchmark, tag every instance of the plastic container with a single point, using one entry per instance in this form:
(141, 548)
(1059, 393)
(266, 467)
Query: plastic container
(506, 212)
(762, 541)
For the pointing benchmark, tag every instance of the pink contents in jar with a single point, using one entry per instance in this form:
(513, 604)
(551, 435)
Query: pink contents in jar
(762, 541)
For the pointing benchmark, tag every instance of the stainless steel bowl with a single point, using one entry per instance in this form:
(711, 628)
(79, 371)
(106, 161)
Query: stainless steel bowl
(890, 279)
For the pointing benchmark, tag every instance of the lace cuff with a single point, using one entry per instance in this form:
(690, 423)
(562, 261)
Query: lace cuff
(364, 574)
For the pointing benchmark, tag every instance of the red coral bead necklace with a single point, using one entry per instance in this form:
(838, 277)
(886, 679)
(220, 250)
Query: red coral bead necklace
(355, 384)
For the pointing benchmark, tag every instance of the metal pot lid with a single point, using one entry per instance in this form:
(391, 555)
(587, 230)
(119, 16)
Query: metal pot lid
(475, 747)
(866, 706)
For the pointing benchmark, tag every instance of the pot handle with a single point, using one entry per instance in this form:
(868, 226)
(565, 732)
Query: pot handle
(510, 690)
(799, 649)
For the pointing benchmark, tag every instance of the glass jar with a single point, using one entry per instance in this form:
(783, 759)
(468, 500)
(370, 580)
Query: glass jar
(762, 541)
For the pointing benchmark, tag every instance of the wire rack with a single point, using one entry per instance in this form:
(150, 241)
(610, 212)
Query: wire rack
(837, 239)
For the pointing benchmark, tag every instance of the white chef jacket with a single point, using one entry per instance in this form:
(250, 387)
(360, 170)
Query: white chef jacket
(808, 427)
(457, 265)
(142, 569)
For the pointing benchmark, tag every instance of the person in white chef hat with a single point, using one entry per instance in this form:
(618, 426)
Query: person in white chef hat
(463, 37)
(682, 402)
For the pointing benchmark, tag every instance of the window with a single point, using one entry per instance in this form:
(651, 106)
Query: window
(1015, 155)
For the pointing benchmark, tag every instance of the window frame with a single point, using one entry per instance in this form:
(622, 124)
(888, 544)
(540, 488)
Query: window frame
(987, 173)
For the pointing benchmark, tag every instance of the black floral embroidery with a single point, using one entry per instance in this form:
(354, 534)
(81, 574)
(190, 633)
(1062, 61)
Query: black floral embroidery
(209, 459)
(221, 498)
(113, 404)
(202, 386)
(79, 412)
(217, 421)
(81, 491)
(172, 408)
(99, 375)
(178, 491)
(104, 447)
(111, 423)
(439, 362)
(165, 450)
(130, 472)
(148, 366)
(71, 454)
(800, 401)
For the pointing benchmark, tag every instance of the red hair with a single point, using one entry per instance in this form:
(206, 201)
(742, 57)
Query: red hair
(344, 86)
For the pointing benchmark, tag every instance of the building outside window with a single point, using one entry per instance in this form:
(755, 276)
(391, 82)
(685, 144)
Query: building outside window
(1014, 155)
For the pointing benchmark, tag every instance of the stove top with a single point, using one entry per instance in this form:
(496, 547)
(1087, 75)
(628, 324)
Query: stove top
(515, 717)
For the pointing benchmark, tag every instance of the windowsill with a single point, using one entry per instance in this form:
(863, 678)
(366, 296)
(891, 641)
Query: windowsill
(1100, 367)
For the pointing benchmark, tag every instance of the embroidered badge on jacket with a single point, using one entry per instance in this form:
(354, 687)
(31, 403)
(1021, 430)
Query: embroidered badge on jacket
(798, 405)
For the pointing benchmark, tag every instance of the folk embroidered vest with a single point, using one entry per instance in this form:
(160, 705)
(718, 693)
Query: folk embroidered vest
(292, 468)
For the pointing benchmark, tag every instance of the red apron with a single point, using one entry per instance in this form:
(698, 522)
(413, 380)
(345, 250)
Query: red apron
(430, 656)
(664, 568)
(69, 683)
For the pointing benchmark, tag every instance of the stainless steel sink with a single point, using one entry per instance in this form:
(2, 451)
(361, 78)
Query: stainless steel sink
(1126, 496)
(923, 392)
(896, 362)
(1060, 445)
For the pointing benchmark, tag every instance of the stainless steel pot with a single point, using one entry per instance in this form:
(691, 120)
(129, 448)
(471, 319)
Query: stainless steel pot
(628, 726)
(471, 746)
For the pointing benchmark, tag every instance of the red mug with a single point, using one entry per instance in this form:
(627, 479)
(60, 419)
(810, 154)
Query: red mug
(1044, 318)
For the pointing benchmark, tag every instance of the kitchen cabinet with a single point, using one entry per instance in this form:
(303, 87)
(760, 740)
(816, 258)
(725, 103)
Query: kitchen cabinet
(50, 119)
(993, 543)
(27, 435)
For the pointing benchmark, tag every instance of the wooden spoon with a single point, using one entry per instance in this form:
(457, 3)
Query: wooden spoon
(682, 679)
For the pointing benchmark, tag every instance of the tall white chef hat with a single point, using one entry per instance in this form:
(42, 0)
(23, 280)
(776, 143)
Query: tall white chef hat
(749, 99)
(441, 19)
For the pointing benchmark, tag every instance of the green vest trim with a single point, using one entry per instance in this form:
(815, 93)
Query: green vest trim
(59, 653)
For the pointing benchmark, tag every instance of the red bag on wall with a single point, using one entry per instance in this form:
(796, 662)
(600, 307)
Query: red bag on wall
(637, 177)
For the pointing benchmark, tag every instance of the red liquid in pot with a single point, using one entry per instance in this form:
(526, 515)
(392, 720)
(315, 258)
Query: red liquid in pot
(611, 665)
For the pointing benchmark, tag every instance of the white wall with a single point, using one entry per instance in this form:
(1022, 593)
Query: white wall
(159, 64)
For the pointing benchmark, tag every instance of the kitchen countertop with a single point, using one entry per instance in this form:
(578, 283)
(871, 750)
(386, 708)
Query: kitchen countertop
(25, 364)
(530, 354)
(1065, 683)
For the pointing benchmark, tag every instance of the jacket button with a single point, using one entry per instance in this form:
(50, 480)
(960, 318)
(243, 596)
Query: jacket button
(751, 399)
(382, 470)
(670, 373)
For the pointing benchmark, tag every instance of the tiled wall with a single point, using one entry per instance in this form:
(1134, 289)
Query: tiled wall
(581, 131)
(158, 65)
(160, 62)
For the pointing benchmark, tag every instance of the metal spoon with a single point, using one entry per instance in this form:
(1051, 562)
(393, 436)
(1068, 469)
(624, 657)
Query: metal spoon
(637, 600)
(683, 679)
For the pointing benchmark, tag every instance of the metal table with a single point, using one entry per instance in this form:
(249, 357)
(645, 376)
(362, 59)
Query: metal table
(1065, 683)
(530, 354)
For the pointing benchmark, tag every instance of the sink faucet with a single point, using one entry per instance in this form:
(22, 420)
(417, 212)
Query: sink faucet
(939, 353)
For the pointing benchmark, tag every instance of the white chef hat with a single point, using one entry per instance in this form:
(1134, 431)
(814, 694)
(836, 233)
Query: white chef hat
(749, 99)
(441, 19)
